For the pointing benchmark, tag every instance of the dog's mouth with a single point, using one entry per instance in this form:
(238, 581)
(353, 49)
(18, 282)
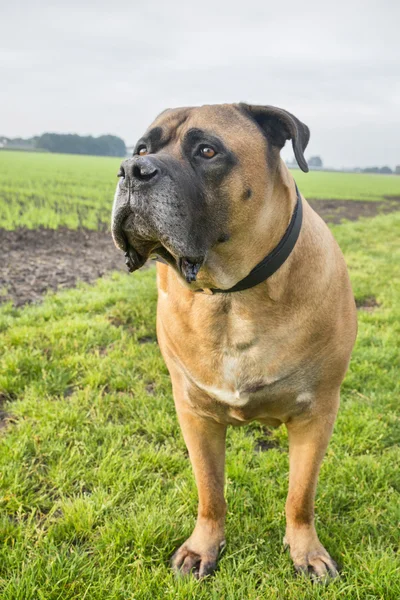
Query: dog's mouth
(133, 259)
(188, 267)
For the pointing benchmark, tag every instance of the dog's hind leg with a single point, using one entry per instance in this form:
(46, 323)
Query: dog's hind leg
(308, 440)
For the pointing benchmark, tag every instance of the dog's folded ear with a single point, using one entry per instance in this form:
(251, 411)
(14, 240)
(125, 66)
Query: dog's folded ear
(280, 125)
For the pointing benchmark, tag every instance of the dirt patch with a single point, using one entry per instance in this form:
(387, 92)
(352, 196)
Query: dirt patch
(368, 304)
(265, 441)
(147, 339)
(151, 388)
(34, 261)
(262, 445)
(5, 417)
(335, 211)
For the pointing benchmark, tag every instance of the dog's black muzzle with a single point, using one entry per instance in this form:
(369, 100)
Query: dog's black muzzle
(159, 208)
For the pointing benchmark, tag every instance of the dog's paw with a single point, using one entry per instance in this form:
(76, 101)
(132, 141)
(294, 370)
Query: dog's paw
(311, 559)
(197, 561)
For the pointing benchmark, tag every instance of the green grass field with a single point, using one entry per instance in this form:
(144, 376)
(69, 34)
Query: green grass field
(96, 487)
(58, 189)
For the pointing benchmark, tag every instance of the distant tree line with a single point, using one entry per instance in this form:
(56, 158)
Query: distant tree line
(69, 143)
(315, 162)
(382, 170)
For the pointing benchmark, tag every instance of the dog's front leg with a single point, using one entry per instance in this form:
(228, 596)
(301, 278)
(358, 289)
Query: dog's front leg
(205, 440)
(308, 440)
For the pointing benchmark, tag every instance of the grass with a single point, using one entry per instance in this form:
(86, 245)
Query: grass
(324, 185)
(96, 487)
(50, 190)
(76, 191)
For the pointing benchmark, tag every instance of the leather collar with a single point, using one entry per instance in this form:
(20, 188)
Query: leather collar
(275, 259)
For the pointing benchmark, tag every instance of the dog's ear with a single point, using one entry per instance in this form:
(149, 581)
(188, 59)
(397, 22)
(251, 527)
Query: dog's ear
(280, 125)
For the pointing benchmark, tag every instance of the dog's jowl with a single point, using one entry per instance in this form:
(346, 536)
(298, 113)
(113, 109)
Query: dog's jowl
(256, 318)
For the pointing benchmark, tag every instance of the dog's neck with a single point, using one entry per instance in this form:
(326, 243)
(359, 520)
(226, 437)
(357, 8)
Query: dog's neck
(234, 261)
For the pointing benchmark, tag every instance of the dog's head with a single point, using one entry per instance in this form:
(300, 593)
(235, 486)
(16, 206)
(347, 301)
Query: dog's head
(198, 189)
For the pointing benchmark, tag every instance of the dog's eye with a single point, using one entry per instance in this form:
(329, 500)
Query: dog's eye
(207, 151)
(142, 151)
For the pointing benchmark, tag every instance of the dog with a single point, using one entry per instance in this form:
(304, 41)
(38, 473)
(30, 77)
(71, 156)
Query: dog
(256, 318)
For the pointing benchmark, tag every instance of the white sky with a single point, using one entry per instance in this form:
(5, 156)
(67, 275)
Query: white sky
(110, 67)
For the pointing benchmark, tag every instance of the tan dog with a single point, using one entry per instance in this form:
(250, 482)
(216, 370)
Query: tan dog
(207, 191)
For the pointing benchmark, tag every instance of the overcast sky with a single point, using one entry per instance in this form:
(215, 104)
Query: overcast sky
(110, 67)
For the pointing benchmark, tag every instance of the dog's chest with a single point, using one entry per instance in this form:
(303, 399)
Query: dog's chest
(240, 365)
(235, 380)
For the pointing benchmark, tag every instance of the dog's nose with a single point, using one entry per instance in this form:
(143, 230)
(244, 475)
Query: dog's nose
(144, 168)
(140, 168)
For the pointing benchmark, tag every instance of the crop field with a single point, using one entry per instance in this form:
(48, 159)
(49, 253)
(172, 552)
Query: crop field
(50, 190)
(325, 185)
(96, 488)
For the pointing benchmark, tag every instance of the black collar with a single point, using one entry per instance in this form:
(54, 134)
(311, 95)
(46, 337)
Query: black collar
(275, 259)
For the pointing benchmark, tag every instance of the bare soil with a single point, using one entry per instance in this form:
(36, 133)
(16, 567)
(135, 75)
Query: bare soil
(335, 211)
(35, 261)
(368, 304)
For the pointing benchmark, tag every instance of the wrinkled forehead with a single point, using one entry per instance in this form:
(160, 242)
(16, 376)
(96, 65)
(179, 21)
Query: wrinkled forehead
(225, 121)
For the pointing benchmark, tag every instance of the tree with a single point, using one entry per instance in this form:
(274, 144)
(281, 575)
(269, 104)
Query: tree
(71, 143)
(315, 161)
(397, 170)
(381, 170)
